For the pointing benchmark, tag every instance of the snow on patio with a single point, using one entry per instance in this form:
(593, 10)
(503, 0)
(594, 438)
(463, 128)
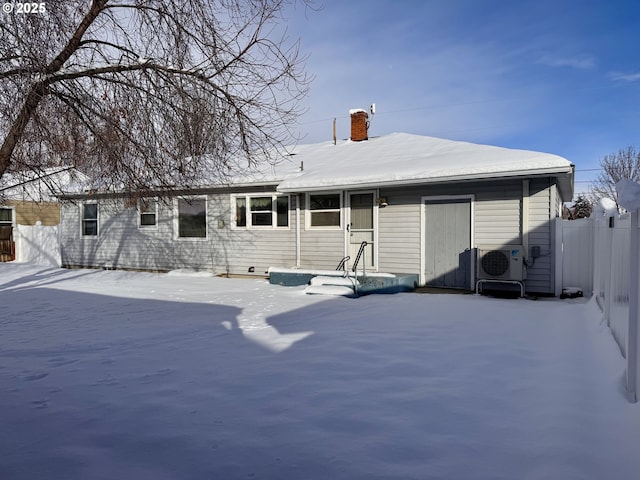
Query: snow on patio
(132, 375)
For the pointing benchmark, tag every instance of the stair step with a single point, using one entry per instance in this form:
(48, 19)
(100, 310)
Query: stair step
(337, 290)
(327, 280)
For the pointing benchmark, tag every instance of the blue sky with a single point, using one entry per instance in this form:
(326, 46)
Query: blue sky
(557, 76)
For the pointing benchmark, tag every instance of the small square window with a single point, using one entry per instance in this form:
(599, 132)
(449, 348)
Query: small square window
(6, 217)
(324, 210)
(261, 211)
(148, 210)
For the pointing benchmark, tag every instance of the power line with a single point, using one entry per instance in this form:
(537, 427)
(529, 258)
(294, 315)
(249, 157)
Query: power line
(452, 105)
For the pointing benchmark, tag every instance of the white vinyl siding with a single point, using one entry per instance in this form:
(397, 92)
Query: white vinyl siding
(124, 245)
(496, 220)
(227, 249)
(541, 210)
(399, 232)
(498, 214)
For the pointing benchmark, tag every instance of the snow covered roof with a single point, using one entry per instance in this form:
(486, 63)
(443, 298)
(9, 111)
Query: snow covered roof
(404, 159)
(393, 160)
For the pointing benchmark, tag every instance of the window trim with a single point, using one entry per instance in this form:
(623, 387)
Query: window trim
(176, 218)
(83, 220)
(13, 215)
(274, 211)
(140, 213)
(308, 211)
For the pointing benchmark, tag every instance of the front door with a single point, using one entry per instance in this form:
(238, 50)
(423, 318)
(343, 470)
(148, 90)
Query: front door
(361, 228)
(447, 243)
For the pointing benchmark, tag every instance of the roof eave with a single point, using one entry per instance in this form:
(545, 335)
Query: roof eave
(542, 172)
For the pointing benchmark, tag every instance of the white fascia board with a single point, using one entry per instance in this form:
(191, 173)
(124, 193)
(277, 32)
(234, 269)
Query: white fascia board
(420, 181)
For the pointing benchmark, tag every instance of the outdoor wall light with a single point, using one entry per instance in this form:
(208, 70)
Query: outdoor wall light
(382, 202)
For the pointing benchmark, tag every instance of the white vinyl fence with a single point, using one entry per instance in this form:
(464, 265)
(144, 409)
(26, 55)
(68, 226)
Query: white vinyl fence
(598, 255)
(37, 244)
(575, 246)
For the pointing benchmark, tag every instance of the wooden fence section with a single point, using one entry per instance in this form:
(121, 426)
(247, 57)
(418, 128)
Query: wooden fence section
(7, 245)
(7, 251)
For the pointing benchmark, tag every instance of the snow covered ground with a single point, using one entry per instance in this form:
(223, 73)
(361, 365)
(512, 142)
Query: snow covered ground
(109, 375)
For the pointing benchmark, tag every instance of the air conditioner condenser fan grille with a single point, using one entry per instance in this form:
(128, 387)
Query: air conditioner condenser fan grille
(495, 263)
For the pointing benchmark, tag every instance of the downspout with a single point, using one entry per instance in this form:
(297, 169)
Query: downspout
(298, 230)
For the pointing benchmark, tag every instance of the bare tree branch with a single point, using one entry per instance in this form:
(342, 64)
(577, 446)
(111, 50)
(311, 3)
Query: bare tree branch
(625, 164)
(147, 93)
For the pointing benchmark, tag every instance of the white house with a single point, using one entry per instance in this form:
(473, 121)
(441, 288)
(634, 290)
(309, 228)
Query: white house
(422, 204)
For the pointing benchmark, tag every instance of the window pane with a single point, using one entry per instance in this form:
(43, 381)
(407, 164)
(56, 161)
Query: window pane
(147, 219)
(261, 219)
(90, 211)
(324, 202)
(282, 210)
(261, 211)
(147, 205)
(192, 218)
(5, 215)
(260, 203)
(325, 219)
(362, 211)
(90, 227)
(90, 219)
(147, 208)
(241, 212)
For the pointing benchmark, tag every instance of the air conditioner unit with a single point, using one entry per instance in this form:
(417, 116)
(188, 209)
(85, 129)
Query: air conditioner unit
(504, 262)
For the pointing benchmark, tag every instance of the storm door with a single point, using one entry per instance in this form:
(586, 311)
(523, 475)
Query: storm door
(361, 228)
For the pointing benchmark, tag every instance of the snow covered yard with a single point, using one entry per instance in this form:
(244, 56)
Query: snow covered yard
(109, 375)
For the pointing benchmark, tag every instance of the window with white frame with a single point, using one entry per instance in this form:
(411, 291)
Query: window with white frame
(261, 211)
(324, 210)
(6, 217)
(192, 218)
(147, 212)
(90, 219)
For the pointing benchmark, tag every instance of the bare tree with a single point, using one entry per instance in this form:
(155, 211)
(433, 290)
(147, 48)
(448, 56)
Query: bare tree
(148, 93)
(615, 167)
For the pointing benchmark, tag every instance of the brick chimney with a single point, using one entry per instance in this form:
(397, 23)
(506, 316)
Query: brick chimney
(359, 125)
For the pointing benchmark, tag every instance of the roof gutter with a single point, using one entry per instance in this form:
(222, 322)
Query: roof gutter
(174, 191)
(542, 172)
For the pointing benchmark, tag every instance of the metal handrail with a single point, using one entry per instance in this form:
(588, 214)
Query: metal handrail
(358, 256)
(343, 263)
